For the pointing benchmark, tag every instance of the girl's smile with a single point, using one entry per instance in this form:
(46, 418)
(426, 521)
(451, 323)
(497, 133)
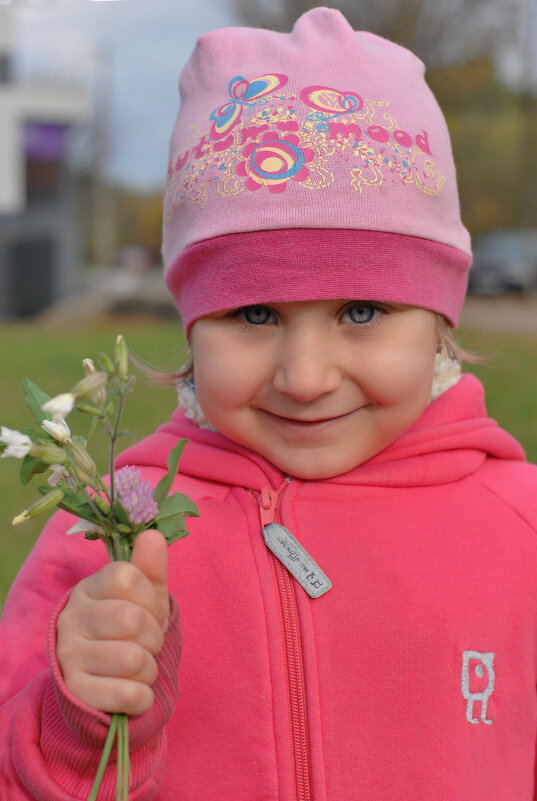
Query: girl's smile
(306, 425)
(316, 387)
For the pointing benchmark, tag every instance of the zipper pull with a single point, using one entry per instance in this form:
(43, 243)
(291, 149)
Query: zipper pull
(267, 504)
(288, 550)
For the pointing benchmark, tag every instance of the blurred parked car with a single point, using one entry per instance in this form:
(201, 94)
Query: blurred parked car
(504, 261)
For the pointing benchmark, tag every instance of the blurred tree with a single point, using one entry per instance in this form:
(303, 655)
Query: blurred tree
(438, 31)
(493, 128)
(484, 121)
(528, 113)
(140, 219)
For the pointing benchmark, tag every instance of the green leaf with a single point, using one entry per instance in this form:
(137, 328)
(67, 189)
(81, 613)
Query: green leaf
(120, 515)
(30, 467)
(35, 398)
(37, 433)
(165, 484)
(91, 535)
(170, 520)
(78, 505)
(173, 528)
(178, 502)
(80, 510)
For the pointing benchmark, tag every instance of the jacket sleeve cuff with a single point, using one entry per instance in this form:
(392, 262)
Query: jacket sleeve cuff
(73, 734)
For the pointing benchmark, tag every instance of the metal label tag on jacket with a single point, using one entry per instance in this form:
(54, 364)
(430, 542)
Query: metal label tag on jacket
(296, 559)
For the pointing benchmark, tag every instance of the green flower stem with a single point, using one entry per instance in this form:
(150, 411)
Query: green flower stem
(104, 758)
(119, 732)
(103, 488)
(120, 753)
(122, 550)
(115, 431)
(82, 485)
(126, 759)
(93, 426)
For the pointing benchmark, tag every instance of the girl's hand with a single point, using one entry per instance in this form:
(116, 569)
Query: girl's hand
(113, 627)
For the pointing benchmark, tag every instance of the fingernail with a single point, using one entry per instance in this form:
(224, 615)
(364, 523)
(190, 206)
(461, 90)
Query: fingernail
(164, 625)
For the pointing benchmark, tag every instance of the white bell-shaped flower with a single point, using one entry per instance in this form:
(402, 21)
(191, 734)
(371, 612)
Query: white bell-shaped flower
(18, 444)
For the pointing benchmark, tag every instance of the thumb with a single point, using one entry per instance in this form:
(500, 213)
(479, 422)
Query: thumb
(150, 555)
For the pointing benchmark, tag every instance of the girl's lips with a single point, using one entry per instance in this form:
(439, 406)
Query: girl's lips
(306, 425)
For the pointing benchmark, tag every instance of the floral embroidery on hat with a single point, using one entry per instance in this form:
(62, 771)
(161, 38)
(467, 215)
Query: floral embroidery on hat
(329, 103)
(274, 161)
(242, 93)
(263, 137)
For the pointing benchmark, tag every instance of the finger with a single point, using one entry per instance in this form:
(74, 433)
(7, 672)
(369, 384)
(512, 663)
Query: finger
(121, 620)
(122, 581)
(150, 555)
(119, 659)
(112, 695)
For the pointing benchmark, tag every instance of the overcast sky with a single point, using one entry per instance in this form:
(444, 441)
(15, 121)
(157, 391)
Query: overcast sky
(149, 41)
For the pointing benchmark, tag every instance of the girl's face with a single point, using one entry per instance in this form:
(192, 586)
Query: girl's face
(315, 387)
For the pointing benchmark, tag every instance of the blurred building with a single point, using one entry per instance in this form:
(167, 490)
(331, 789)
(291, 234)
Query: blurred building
(39, 236)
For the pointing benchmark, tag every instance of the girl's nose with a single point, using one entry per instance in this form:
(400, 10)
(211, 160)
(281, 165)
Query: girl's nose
(306, 368)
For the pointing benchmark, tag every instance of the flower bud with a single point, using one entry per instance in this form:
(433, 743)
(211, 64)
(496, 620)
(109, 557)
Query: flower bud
(121, 354)
(88, 366)
(87, 408)
(101, 503)
(106, 363)
(85, 466)
(89, 385)
(40, 507)
(48, 453)
(123, 528)
(98, 398)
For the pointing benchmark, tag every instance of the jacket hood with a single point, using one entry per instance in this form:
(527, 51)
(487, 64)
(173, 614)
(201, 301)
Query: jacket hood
(450, 440)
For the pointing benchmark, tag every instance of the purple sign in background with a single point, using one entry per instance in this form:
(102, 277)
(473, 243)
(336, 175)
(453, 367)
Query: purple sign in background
(44, 140)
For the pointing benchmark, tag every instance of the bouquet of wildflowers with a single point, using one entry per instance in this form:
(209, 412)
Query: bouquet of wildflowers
(114, 512)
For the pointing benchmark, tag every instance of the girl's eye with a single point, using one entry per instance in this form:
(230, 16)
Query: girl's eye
(361, 314)
(256, 315)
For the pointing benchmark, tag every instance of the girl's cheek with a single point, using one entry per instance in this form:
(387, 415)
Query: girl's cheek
(395, 375)
(218, 385)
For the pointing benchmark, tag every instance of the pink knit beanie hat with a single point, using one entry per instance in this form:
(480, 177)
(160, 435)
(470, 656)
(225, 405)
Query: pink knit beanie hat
(313, 165)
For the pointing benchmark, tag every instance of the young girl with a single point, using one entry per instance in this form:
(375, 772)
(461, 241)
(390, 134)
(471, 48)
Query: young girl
(358, 598)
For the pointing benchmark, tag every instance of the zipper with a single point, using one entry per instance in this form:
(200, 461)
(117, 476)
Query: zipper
(269, 503)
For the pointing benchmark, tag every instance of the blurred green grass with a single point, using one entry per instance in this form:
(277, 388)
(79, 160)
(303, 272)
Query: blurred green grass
(52, 358)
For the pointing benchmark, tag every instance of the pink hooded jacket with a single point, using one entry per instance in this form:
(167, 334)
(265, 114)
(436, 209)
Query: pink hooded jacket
(413, 677)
